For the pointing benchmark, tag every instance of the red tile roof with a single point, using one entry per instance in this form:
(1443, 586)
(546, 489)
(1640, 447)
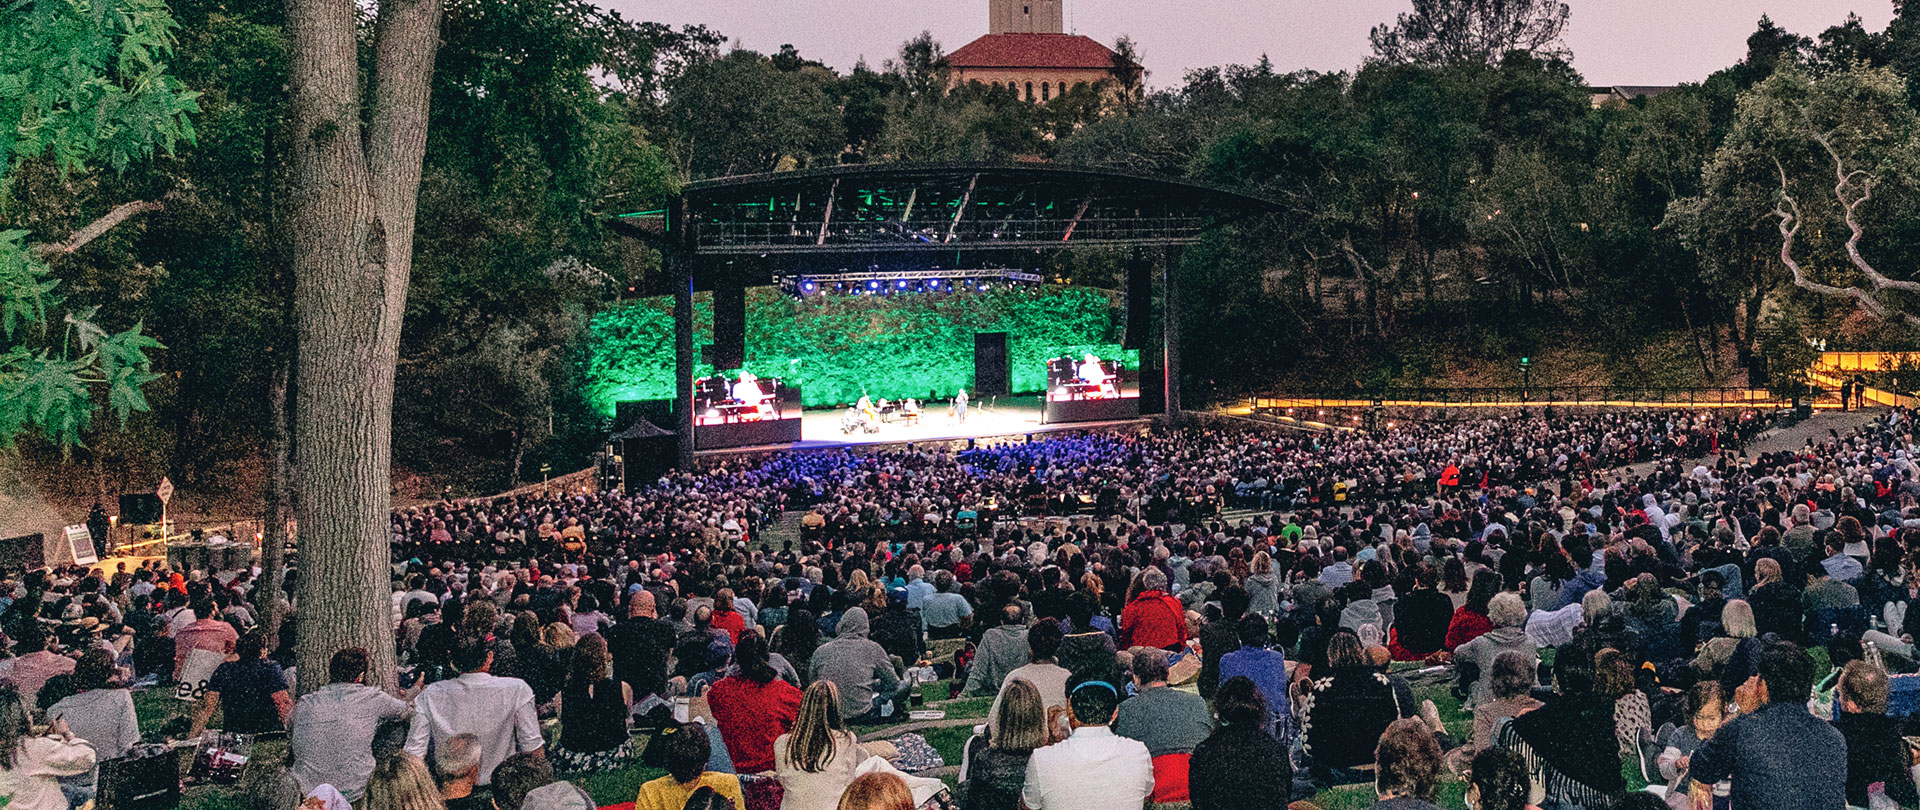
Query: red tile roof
(1033, 51)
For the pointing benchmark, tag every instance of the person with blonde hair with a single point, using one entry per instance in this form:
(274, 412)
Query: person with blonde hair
(1719, 658)
(879, 790)
(816, 760)
(994, 767)
(402, 782)
(1775, 602)
(1263, 586)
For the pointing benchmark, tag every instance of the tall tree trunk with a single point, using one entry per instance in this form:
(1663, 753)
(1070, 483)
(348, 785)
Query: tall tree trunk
(276, 502)
(1706, 369)
(352, 202)
(519, 455)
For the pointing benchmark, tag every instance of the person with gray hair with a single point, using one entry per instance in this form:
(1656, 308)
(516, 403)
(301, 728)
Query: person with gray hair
(1154, 618)
(456, 769)
(945, 613)
(918, 589)
(1474, 659)
(1002, 649)
(1167, 720)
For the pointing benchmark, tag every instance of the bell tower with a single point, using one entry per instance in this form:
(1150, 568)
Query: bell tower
(1026, 17)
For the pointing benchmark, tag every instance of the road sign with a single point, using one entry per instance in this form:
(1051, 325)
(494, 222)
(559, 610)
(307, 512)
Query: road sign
(165, 490)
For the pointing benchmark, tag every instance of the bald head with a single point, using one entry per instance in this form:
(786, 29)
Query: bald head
(641, 605)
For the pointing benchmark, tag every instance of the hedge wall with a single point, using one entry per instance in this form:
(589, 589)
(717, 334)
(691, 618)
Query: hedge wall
(918, 345)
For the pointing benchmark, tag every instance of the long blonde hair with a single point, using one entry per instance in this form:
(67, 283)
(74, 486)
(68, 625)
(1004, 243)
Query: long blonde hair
(815, 738)
(1022, 722)
(402, 782)
(1262, 563)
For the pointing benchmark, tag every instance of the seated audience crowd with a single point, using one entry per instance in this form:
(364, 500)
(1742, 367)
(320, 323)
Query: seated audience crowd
(1134, 644)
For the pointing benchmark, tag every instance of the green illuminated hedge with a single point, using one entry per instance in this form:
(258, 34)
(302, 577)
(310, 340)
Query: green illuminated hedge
(834, 346)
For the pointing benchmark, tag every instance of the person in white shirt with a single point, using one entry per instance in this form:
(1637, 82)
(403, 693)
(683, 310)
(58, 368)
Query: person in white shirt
(1041, 670)
(31, 764)
(333, 727)
(497, 710)
(1094, 769)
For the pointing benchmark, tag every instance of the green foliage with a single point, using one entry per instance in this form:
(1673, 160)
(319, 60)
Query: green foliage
(1773, 158)
(82, 84)
(838, 347)
(739, 114)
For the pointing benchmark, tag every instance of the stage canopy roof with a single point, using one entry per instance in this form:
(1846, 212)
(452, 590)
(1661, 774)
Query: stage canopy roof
(866, 209)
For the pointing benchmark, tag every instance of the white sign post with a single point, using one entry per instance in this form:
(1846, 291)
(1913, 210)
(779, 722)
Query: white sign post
(165, 493)
(80, 543)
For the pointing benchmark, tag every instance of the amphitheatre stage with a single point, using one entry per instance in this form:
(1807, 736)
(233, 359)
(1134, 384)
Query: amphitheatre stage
(960, 247)
(1000, 419)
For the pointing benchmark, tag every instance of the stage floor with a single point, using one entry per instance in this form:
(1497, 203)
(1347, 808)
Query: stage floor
(1015, 416)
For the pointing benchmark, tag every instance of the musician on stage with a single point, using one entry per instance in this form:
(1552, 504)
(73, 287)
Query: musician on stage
(960, 406)
(865, 406)
(1091, 371)
(748, 392)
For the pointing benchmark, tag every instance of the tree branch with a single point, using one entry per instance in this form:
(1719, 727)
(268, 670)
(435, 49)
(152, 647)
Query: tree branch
(1845, 181)
(99, 227)
(1788, 212)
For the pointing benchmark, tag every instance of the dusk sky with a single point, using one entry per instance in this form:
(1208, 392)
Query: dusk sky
(1613, 41)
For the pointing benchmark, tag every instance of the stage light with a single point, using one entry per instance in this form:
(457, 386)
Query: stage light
(809, 286)
(902, 284)
(933, 282)
(873, 285)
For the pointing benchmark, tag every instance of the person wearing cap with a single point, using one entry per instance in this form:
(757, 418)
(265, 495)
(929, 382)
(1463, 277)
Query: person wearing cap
(1094, 768)
(898, 630)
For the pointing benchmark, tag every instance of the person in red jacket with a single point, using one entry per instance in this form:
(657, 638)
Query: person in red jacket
(725, 617)
(753, 706)
(1153, 619)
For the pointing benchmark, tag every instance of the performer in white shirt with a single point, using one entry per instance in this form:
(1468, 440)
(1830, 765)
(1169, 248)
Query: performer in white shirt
(749, 392)
(1093, 372)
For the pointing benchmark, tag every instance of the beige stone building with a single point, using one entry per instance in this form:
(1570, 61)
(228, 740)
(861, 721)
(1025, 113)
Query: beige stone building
(1027, 50)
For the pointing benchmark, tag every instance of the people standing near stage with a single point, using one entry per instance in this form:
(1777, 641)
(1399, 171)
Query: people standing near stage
(960, 406)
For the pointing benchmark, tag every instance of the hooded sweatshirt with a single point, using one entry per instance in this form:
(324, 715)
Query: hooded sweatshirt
(856, 664)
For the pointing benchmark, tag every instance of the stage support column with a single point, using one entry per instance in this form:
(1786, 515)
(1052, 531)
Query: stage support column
(1170, 331)
(680, 269)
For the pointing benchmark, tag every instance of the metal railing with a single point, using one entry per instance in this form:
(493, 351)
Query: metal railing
(1515, 396)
